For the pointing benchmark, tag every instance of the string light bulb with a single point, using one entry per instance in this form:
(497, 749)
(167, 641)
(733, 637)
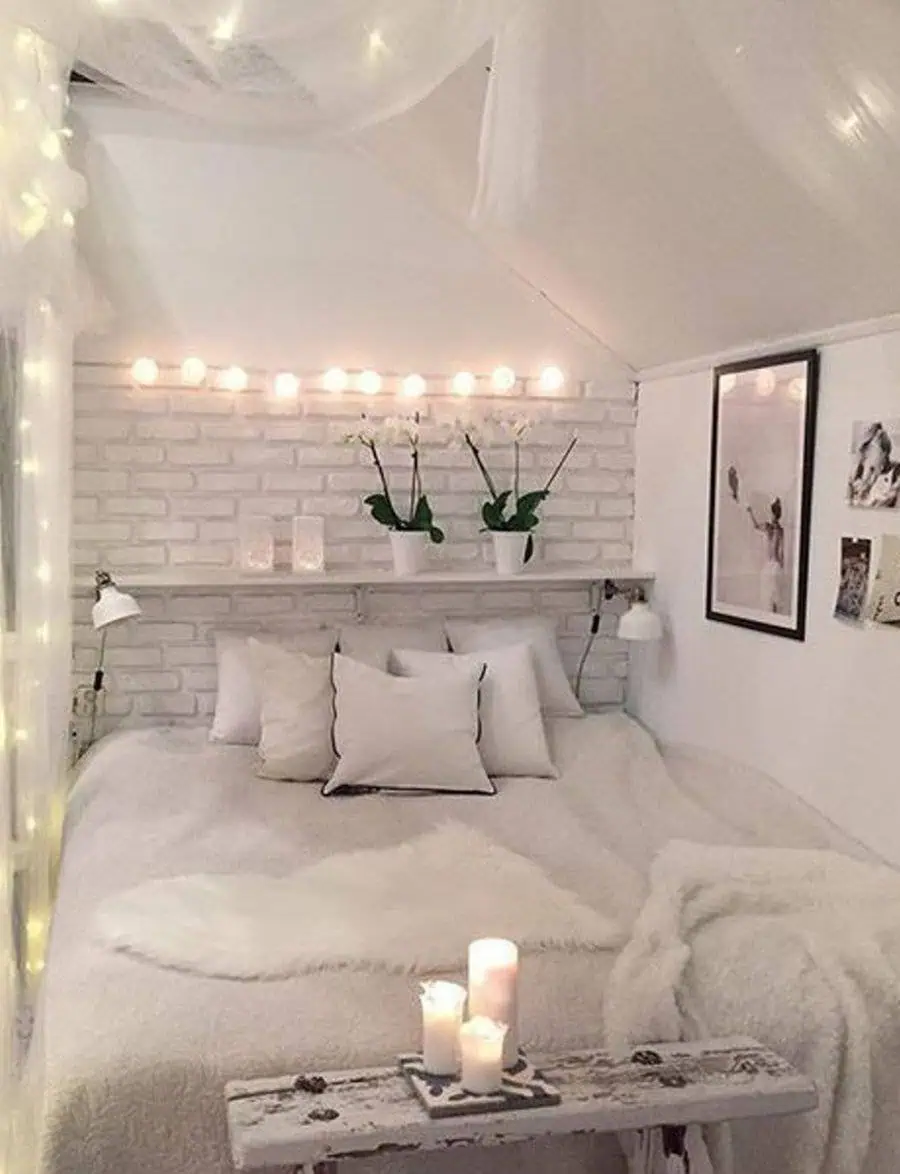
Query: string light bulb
(286, 385)
(144, 370)
(335, 379)
(51, 147)
(233, 379)
(464, 383)
(766, 381)
(43, 572)
(414, 386)
(193, 371)
(369, 382)
(552, 379)
(503, 379)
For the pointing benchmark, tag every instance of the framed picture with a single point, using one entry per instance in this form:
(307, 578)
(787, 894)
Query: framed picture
(760, 492)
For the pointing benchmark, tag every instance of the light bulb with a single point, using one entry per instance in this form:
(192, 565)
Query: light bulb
(376, 43)
(414, 386)
(43, 634)
(286, 385)
(30, 824)
(464, 383)
(727, 383)
(369, 382)
(233, 379)
(193, 371)
(43, 572)
(24, 425)
(503, 379)
(144, 371)
(224, 27)
(20, 105)
(797, 390)
(552, 379)
(29, 467)
(766, 381)
(20, 736)
(45, 524)
(51, 147)
(68, 219)
(335, 379)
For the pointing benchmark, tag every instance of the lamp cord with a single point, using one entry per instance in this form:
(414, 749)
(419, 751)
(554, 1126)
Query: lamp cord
(97, 687)
(588, 645)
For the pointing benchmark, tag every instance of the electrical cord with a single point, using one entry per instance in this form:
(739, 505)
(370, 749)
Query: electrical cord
(588, 645)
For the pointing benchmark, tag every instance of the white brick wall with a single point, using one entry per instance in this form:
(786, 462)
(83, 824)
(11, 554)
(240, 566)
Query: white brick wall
(165, 474)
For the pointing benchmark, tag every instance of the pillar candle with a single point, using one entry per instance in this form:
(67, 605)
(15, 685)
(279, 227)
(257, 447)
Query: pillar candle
(442, 1011)
(493, 973)
(481, 1045)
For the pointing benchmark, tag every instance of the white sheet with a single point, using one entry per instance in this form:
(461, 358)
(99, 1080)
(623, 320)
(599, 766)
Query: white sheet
(136, 1057)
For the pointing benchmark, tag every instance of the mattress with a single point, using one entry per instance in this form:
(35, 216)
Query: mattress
(135, 1056)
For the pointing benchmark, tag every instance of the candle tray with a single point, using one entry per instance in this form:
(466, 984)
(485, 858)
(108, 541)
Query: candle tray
(444, 1096)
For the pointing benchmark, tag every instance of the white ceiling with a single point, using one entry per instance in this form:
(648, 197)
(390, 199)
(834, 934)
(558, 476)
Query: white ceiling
(667, 229)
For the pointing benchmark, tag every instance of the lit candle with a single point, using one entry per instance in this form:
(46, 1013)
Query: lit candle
(442, 1010)
(481, 1045)
(493, 971)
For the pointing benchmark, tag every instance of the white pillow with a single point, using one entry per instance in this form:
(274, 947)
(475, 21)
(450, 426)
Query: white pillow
(297, 711)
(237, 719)
(372, 643)
(405, 734)
(513, 741)
(556, 693)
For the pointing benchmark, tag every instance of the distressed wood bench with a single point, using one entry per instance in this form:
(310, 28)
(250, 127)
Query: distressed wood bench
(309, 1123)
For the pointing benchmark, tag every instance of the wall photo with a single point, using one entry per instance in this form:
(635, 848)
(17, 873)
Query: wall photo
(761, 468)
(874, 480)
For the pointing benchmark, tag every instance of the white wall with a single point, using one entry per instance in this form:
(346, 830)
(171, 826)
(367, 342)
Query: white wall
(284, 256)
(822, 716)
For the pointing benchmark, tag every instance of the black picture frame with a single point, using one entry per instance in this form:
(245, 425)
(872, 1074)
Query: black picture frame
(762, 450)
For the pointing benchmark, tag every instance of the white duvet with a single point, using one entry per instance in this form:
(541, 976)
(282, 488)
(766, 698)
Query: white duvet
(136, 1056)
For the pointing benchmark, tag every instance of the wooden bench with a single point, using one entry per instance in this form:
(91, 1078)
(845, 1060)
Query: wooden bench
(310, 1123)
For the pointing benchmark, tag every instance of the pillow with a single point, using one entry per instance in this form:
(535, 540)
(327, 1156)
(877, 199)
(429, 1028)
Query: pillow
(556, 693)
(404, 733)
(297, 710)
(236, 719)
(512, 740)
(372, 643)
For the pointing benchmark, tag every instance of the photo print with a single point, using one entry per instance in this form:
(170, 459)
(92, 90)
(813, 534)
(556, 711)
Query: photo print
(874, 480)
(760, 494)
(856, 561)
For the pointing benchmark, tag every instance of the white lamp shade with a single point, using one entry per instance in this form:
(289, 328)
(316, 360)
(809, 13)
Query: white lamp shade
(113, 607)
(640, 622)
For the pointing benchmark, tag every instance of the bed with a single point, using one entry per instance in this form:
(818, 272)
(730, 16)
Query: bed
(136, 1056)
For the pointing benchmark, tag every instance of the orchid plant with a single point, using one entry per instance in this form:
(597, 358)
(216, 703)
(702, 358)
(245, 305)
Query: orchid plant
(414, 513)
(510, 509)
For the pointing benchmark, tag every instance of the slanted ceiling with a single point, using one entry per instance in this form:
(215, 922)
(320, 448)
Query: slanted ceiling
(671, 232)
(666, 228)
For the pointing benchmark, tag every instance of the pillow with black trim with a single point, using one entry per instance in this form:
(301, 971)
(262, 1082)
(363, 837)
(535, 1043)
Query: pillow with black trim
(513, 741)
(415, 734)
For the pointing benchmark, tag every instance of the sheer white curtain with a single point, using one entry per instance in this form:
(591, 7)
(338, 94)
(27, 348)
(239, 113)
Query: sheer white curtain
(39, 196)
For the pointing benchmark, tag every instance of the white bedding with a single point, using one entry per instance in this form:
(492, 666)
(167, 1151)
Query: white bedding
(136, 1056)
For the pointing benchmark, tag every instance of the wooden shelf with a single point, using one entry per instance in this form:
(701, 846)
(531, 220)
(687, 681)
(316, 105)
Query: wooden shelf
(192, 579)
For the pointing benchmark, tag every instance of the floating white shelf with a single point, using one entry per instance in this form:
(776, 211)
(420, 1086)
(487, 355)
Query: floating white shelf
(187, 579)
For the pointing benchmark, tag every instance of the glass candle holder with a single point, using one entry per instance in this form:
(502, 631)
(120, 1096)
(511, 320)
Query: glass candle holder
(257, 545)
(308, 554)
(442, 1011)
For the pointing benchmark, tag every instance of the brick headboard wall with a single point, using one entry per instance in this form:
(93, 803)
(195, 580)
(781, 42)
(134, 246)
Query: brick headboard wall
(164, 473)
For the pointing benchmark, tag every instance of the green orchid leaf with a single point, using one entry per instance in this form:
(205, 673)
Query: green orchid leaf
(422, 516)
(529, 549)
(502, 500)
(383, 512)
(529, 502)
(437, 535)
(492, 516)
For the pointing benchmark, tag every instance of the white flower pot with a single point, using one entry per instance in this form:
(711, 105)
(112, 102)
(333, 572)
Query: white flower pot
(509, 551)
(410, 550)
